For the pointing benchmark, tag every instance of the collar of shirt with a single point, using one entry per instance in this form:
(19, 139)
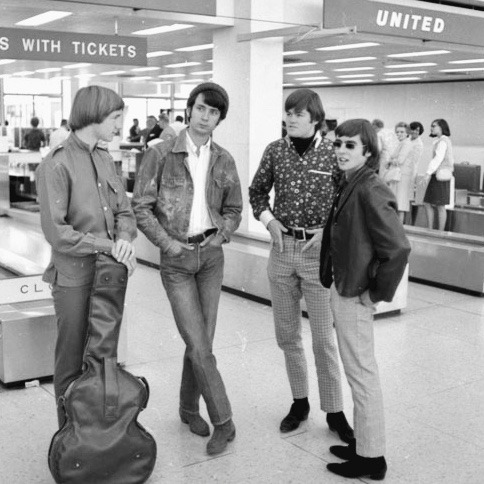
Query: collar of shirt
(192, 147)
(80, 144)
(316, 141)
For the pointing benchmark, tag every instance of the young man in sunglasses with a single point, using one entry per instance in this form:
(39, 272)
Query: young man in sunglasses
(365, 251)
(302, 169)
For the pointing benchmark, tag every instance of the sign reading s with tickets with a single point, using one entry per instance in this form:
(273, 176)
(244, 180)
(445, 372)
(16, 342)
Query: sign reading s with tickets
(46, 45)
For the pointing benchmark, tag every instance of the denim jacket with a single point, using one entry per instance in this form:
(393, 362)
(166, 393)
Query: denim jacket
(163, 192)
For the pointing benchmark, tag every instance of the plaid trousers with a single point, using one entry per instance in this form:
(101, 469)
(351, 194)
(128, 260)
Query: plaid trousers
(293, 274)
(354, 328)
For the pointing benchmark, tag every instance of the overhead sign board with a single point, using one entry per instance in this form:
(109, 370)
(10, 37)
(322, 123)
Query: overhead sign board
(196, 7)
(405, 20)
(71, 47)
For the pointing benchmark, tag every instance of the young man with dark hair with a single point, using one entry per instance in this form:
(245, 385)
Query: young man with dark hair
(301, 168)
(187, 201)
(365, 252)
(84, 210)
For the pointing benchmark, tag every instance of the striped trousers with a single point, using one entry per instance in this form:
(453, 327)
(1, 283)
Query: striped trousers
(292, 275)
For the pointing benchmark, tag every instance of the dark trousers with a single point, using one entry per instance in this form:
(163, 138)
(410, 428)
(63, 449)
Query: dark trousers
(72, 311)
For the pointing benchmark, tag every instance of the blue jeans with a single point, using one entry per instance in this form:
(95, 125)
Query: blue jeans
(193, 281)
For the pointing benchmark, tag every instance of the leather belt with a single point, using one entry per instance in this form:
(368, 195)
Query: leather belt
(298, 233)
(196, 239)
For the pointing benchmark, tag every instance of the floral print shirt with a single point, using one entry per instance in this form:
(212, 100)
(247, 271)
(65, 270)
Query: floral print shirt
(304, 186)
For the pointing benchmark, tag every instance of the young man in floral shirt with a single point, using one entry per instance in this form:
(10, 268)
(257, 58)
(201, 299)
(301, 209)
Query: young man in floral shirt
(302, 169)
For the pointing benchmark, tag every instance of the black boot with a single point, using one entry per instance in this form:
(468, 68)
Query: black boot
(345, 452)
(337, 423)
(298, 413)
(373, 467)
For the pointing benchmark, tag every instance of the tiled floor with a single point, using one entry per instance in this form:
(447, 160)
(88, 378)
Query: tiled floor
(432, 367)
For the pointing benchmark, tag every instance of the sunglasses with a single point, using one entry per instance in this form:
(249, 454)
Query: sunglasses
(350, 145)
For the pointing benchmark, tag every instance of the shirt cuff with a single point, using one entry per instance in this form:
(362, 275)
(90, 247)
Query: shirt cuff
(265, 217)
(103, 245)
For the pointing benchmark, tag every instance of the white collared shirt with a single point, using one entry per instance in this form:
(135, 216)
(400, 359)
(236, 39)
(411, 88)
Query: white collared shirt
(200, 220)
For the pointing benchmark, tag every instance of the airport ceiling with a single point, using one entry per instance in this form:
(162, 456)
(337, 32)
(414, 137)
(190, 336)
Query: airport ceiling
(388, 59)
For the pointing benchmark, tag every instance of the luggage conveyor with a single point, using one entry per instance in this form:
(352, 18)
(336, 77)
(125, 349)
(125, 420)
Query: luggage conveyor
(28, 327)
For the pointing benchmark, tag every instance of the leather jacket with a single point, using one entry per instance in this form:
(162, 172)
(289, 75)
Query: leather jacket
(163, 192)
(368, 248)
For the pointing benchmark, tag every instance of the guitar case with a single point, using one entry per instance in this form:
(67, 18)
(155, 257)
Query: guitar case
(101, 441)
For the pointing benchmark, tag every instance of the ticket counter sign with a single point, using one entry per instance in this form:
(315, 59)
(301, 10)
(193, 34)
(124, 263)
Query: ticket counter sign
(21, 289)
(406, 19)
(45, 45)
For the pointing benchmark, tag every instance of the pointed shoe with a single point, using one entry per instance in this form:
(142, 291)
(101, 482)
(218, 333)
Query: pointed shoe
(374, 468)
(293, 419)
(222, 435)
(196, 423)
(337, 423)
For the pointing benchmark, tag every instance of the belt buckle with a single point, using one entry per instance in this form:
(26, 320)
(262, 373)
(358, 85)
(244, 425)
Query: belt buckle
(300, 230)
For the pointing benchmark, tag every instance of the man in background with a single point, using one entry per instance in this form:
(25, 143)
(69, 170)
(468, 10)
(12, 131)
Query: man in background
(34, 138)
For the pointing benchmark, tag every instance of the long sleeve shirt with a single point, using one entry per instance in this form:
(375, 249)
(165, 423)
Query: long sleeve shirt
(83, 209)
(442, 155)
(304, 186)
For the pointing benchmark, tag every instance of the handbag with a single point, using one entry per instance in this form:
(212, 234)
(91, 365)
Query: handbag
(101, 440)
(443, 174)
(393, 174)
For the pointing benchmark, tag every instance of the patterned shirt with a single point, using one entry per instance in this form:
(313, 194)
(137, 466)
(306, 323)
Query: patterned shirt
(304, 186)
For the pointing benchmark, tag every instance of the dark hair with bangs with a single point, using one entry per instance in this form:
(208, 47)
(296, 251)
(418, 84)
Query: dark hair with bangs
(309, 100)
(416, 125)
(92, 105)
(213, 99)
(362, 127)
(444, 126)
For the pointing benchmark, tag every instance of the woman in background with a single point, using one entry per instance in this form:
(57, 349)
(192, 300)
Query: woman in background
(439, 174)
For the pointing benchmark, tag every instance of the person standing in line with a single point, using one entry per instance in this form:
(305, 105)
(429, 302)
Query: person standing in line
(364, 253)
(34, 139)
(438, 175)
(187, 201)
(178, 125)
(134, 132)
(150, 124)
(387, 143)
(301, 168)
(84, 210)
(412, 162)
(59, 135)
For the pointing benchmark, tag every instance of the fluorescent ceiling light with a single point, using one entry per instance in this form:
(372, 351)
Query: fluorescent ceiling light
(163, 29)
(418, 54)
(316, 78)
(183, 64)
(145, 69)
(288, 84)
(23, 73)
(350, 76)
(402, 79)
(354, 81)
(298, 73)
(349, 46)
(171, 75)
(4, 76)
(49, 69)
(464, 69)
(211, 61)
(85, 76)
(189, 81)
(201, 73)
(352, 69)
(405, 73)
(417, 64)
(158, 53)
(43, 18)
(350, 59)
(76, 66)
(467, 61)
(141, 78)
(299, 64)
(60, 78)
(6, 61)
(112, 73)
(194, 48)
(320, 83)
(295, 52)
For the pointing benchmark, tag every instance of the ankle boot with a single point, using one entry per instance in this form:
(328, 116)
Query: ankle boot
(298, 413)
(222, 435)
(197, 424)
(345, 452)
(337, 423)
(373, 467)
